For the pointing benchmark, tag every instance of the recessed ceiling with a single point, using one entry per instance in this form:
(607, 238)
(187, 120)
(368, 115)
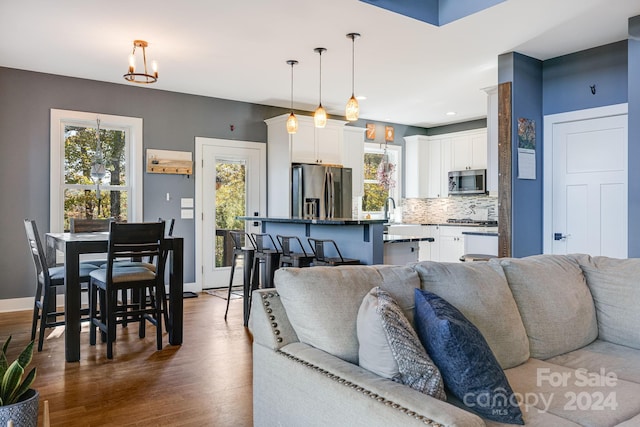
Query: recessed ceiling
(410, 72)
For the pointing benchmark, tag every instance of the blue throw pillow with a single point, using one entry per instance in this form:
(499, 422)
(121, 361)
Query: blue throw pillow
(469, 369)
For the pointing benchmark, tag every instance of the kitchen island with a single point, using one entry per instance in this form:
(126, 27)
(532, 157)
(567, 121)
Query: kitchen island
(357, 238)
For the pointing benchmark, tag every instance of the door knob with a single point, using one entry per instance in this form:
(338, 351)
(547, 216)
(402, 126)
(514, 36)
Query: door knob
(560, 236)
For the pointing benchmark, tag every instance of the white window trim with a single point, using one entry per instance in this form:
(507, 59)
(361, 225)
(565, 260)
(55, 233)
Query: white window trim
(379, 148)
(132, 125)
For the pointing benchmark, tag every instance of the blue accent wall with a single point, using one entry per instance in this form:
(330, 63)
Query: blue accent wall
(567, 80)
(452, 10)
(435, 12)
(526, 92)
(634, 147)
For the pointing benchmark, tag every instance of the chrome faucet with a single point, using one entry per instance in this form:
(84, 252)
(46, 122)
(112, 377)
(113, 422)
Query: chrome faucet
(386, 207)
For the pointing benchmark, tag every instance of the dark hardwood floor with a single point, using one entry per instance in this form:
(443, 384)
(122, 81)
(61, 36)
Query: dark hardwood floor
(204, 382)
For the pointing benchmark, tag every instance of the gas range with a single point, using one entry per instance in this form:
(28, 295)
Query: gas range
(469, 221)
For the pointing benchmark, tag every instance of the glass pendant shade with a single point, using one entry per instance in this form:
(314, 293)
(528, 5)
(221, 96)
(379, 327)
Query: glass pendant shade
(320, 117)
(292, 123)
(353, 109)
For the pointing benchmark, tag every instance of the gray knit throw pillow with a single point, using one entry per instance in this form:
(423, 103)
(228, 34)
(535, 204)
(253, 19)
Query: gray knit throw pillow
(416, 369)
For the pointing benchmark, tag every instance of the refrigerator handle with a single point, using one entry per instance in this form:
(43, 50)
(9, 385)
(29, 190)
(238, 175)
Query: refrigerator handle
(325, 195)
(332, 195)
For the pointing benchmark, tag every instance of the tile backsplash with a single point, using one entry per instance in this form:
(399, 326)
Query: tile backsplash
(437, 211)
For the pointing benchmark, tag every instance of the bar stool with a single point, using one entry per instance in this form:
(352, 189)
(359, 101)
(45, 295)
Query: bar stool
(245, 253)
(268, 257)
(318, 247)
(293, 259)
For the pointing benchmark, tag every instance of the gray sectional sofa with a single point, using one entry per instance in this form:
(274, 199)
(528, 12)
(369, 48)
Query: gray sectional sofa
(565, 330)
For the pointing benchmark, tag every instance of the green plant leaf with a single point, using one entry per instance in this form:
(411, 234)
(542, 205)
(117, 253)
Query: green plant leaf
(6, 344)
(11, 380)
(26, 384)
(4, 364)
(25, 357)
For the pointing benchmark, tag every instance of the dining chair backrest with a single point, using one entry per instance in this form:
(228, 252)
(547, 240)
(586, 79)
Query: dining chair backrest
(136, 240)
(37, 250)
(89, 225)
(169, 226)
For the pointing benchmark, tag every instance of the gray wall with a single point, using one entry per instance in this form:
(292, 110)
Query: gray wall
(171, 121)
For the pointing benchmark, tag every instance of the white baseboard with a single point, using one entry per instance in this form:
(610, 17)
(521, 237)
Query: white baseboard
(26, 303)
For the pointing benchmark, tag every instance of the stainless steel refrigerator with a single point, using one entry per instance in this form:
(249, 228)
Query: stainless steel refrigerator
(320, 191)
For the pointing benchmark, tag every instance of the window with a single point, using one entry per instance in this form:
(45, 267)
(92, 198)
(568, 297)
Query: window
(73, 147)
(375, 193)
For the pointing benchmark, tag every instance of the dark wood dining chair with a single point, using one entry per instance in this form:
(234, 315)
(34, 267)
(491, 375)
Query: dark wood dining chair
(319, 250)
(48, 279)
(89, 225)
(128, 240)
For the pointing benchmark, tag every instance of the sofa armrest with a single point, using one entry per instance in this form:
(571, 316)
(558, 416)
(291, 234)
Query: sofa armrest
(301, 385)
(268, 321)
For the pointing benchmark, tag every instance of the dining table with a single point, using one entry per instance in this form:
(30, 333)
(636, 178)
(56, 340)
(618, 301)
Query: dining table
(75, 244)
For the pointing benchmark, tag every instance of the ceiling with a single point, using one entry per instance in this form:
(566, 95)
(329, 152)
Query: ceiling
(410, 72)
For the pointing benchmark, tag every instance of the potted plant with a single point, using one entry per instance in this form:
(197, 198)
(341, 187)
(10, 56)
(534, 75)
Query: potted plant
(18, 402)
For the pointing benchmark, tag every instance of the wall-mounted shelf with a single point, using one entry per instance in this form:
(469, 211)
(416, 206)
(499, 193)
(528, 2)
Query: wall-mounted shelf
(171, 162)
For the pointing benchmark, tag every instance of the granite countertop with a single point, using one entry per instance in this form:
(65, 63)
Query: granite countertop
(463, 224)
(481, 233)
(329, 221)
(397, 238)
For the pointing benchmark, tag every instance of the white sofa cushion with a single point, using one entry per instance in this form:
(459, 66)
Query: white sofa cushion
(588, 400)
(390, 347)
(554, 301)
(603, 356)
(615, 286)
(322, 302)
(480, 291)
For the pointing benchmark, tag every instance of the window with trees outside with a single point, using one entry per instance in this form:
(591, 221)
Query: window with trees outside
(382, 172)
(95, 175)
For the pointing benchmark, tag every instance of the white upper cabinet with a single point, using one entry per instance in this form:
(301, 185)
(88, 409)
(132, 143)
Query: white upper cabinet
(307, 145)
(492, 140)
(353, 157)
(469, 150)
(317, 145)
(416, 166)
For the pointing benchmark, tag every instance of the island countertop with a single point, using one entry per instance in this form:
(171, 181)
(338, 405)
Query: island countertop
(356, 238)
(328, 221)
(397, 238)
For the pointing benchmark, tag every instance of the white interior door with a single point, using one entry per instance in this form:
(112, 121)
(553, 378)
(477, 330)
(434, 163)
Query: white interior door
(232, 183)
(589, 187)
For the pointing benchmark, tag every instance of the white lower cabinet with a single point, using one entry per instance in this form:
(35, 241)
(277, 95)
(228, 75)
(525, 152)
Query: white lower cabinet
(448, 244)
(400, 253)
(451, 246)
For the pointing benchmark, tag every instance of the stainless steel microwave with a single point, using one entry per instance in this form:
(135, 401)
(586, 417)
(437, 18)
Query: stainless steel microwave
(470, 181)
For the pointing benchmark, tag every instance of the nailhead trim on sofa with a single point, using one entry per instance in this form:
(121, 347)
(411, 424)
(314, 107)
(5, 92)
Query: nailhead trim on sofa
(340, 380)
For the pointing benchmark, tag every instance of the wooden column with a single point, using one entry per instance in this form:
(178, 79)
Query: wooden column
(504, 169)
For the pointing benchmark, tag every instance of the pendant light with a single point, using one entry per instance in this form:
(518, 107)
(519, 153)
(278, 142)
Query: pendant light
(142, 76)
(320, 116)
(353, 109)
(292, 121)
